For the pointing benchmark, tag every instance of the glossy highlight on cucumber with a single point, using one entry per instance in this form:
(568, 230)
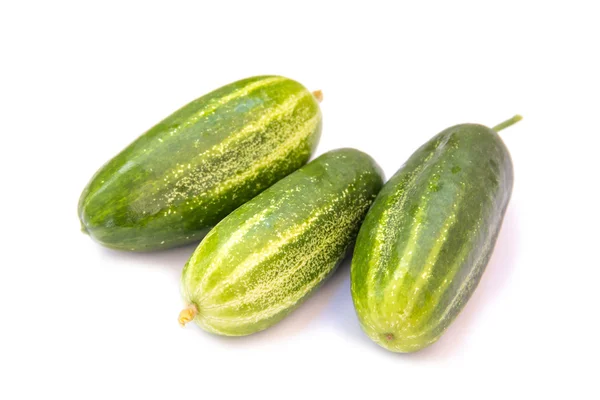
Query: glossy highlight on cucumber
(429, 235)
(180, 178)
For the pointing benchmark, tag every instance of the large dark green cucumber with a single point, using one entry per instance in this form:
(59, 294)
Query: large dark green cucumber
(193, 168)
(263, 259)
(429, 235)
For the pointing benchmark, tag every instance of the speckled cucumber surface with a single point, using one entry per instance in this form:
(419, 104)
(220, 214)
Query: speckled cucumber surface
(263, 259)
(180, 178)
(428, 237)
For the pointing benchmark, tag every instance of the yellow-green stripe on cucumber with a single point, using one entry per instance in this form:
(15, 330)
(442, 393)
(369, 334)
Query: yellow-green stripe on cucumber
(264, 258)
(428, 237)
(180, 178)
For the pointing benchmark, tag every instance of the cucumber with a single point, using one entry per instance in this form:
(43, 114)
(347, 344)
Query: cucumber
(267, 256)
(180, 178)
(428, 236)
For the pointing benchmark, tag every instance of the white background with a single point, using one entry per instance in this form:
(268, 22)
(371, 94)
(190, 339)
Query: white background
(80, 81)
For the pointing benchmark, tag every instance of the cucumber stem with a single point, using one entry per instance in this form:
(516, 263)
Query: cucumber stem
(187, 314)
(318, 95)
(507, 123)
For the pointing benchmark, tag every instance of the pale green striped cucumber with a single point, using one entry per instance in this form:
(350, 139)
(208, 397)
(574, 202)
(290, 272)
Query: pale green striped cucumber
(263, 259)
(429, 235)
(176, 181)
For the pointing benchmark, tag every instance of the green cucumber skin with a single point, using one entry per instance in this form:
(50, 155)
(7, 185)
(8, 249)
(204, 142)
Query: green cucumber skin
(180, 178)
(266, 257)
(428, 237)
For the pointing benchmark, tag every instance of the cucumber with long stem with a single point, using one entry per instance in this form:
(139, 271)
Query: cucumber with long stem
(428, 237)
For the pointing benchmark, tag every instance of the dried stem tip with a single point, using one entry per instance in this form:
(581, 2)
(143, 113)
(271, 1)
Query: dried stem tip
(318, 95)
(187, 314)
